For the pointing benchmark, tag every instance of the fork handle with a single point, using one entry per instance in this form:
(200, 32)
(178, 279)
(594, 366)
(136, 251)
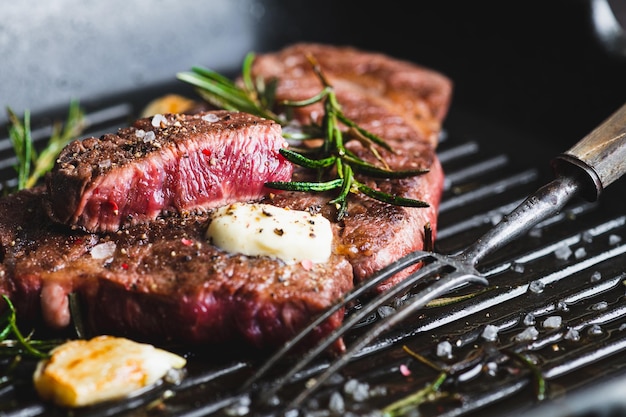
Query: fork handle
(586, 169)
(599, 158)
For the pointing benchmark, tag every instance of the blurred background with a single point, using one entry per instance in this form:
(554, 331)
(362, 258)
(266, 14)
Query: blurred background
(549, 67)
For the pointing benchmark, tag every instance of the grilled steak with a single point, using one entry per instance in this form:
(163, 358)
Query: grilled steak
(399, 101)
(158, 281)
(171, 163)
(161, 279)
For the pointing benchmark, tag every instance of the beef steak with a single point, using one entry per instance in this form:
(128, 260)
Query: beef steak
(161, 279)
(399, 101)
(166, 163)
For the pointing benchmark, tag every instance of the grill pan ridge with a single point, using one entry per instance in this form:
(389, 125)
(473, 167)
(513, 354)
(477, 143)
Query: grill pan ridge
(570, 266)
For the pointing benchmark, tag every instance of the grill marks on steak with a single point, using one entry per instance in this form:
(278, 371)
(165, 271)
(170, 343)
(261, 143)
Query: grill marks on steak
(183, 164)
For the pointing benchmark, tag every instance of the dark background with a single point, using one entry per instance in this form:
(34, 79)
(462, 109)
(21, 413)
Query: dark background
(538, 65)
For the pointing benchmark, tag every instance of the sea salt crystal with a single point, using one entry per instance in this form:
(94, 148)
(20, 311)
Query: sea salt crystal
(158, 120)
(384, 311)
(359, 391)
(602, 305)
(491, 368)
(517, 267)
(444, 349)
(536, 286)
(614, 239)
(210, 117)
(562, 306)
(622, 327)
(563, 252)
(595, 330)
(140, 133)
(552, 322)
(596, 276)
(580, 253)
(572, 334)
(240, 408)
(587, 237)
(529, 319)
(149, 137)
(490, 333)
(530, 333)
(103, 250)
(104, 164)
(336, 404)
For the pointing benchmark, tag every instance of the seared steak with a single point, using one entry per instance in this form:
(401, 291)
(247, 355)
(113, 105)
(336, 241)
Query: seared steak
(399, 101)
(161, 279)
(162, 164)
(158, 281)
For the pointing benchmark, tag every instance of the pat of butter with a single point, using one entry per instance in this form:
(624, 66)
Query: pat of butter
(85, 372)
(266, 230)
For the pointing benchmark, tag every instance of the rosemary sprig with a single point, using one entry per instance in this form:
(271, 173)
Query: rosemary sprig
(31, 166)
(257, 97)
(21, 345)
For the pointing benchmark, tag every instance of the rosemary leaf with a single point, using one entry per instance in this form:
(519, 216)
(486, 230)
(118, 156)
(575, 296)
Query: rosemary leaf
(390, 199)
(21, 140)
(305, 186)
(61, 136)
(23, 343)
(298, 158)
(371, 170)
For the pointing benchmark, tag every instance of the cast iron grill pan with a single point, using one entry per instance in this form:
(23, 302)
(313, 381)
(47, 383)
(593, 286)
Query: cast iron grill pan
(570, 266)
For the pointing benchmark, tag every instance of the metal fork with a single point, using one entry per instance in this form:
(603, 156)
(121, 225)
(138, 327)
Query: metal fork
(584, 170)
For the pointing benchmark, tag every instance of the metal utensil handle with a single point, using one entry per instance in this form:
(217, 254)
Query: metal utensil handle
(601, 155)
(589, 166)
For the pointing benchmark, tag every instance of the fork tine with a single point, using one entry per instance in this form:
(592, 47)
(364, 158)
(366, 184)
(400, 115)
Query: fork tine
(439, 288)
(364, 287)
(429, 270)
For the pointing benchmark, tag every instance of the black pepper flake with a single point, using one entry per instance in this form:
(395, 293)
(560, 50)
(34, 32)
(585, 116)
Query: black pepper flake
(267, 213)
(279, 232)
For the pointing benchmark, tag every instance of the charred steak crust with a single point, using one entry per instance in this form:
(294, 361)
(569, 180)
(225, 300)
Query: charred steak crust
(160, 279)
(165, 164)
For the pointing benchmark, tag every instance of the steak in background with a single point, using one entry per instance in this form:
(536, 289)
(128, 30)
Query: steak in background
(165, 164)
(162, 280)
(397, 100)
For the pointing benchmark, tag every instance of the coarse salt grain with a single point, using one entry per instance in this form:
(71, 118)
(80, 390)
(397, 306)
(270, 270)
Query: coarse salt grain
(572, 334)
(530, 333)
(552, 322)
(158, 120)
(444, 349)
(149, 137)
(563, 252)
(210, 117)
(490, 333)
(103, 250)
(536, 286)
(140, 133)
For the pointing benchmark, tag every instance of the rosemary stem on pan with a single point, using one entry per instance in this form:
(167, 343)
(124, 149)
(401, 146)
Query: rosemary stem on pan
(331, 158)
(31, 165)
(21, 344)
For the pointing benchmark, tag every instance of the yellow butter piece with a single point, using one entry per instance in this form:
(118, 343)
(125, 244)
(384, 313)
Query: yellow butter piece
(85, 372)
